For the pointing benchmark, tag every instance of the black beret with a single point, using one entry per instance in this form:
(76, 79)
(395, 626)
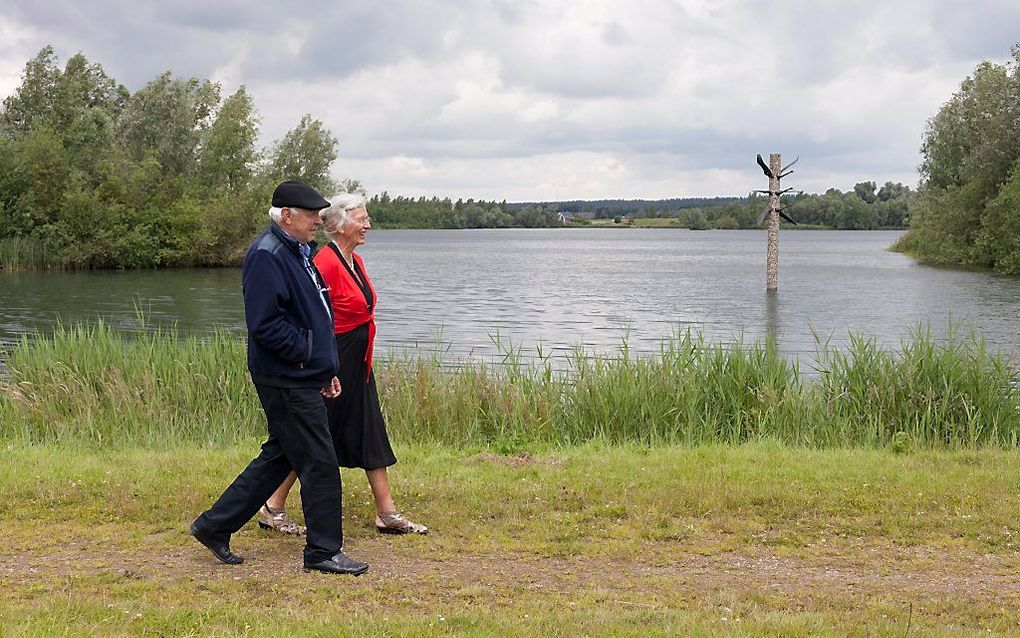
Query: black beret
(295, 194)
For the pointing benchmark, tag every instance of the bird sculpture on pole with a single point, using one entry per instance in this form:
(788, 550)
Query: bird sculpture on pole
(775, 171)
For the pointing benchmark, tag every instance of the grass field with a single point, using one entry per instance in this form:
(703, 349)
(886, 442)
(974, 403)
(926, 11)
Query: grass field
(756, 540)
(745, 540)
(708, 491)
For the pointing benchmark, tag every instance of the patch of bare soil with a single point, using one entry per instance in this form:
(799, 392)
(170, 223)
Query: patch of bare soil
(850, 573)
(518, 460)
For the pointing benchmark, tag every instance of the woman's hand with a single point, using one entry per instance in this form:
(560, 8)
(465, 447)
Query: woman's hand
(332, 390)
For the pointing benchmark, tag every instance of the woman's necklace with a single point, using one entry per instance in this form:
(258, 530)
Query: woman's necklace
(348, 259)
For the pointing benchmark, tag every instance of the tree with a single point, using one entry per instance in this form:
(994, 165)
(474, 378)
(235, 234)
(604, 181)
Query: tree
(79, 105)
(970, 151)
(893, 191)
(35, 175)
(866, 191)
(305, 153)
(168, 119)
(351, 185)
(974, 136)
(228, 157)
(1000, 226)
(169, 176)
(32, 101)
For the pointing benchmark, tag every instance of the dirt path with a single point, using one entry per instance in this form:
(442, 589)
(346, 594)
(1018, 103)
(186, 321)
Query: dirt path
(851, 571)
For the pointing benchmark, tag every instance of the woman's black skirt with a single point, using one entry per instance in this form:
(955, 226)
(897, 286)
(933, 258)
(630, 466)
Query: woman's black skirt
(355, 418)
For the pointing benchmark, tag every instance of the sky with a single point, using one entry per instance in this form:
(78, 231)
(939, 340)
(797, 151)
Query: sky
(540, 100)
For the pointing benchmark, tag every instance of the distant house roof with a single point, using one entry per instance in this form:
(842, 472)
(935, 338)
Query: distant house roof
(567, 216)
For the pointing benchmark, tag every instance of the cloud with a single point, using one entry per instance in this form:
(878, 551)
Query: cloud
(575, 99)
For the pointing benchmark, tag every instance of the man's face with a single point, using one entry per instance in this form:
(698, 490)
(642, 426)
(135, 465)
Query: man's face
(300, 223)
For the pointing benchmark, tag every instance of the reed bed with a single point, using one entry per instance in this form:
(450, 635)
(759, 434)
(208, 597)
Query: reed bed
(89, 385)
(21, 253)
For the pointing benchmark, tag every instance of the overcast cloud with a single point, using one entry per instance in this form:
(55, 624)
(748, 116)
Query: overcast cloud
(539, 100)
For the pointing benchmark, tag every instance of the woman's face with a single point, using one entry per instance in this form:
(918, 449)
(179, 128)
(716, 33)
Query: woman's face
(354, 231)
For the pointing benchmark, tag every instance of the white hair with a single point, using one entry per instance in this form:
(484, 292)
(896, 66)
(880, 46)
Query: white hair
(338, 213)
(276, 212)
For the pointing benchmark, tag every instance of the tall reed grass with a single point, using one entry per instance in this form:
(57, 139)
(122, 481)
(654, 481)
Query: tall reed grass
(20, 253)
(88, 385)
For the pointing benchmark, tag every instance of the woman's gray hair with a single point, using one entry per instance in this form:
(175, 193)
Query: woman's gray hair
(339, 212)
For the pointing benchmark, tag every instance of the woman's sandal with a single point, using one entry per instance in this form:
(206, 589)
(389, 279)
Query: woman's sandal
(395, 523)
(278, 520)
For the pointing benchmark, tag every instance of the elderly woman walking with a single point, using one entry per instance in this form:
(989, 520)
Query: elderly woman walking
(355, 418)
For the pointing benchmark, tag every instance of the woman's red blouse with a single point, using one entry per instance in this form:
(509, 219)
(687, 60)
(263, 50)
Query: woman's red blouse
(351, 305)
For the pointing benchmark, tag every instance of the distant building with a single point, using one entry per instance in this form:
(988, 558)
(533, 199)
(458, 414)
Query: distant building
(565, 217)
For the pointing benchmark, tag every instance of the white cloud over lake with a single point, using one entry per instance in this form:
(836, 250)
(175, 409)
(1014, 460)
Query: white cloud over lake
(532, 100)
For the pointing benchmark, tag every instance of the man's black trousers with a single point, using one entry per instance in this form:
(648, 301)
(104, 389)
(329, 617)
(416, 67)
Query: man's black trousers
(298, 438)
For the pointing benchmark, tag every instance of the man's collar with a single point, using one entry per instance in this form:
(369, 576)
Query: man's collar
(289, 239)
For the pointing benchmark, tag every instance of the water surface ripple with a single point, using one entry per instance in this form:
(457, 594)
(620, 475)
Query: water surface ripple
(460, 291)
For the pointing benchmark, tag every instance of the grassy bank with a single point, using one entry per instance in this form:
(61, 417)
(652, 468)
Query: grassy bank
(87, 385)
(751, 540)
(704, 491)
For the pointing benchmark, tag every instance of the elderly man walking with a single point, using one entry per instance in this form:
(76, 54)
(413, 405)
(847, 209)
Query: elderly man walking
(293, 362)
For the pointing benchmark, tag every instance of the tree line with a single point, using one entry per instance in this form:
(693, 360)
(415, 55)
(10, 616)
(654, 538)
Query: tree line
(867, 207)
(94, 176)
(608, 208)
(968, 206)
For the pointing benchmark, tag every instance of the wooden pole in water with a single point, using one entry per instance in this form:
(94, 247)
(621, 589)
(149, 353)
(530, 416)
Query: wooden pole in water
(772, 255)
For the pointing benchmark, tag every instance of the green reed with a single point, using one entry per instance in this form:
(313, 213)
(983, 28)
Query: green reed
(89, 385)
(19, 253)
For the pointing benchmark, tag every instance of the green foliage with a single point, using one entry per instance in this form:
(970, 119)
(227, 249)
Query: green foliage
(866, 191)
(94, 177)
(966, 213)
(861, 209)
(33, 100)
(111, 386)
(408, 212)
(166, 119)
(999, 237)
(305, 153)
(89, 385)
(953, 393)
(36, 172)
(228, 156)
(834, 209)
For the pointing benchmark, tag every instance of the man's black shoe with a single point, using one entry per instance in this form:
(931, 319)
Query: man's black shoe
(220, 549)
(339, 564)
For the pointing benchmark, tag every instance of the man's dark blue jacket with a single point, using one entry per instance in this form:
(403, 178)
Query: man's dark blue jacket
(290, 329)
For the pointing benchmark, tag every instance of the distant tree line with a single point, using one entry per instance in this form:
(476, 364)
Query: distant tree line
(167, 176)
(968, 207)
(866, 207)
(609, 208)
(434, 212)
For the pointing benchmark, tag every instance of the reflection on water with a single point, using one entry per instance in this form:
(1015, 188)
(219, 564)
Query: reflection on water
(457, 290)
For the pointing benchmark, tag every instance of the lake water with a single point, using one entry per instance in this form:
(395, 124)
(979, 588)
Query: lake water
(461, 291)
